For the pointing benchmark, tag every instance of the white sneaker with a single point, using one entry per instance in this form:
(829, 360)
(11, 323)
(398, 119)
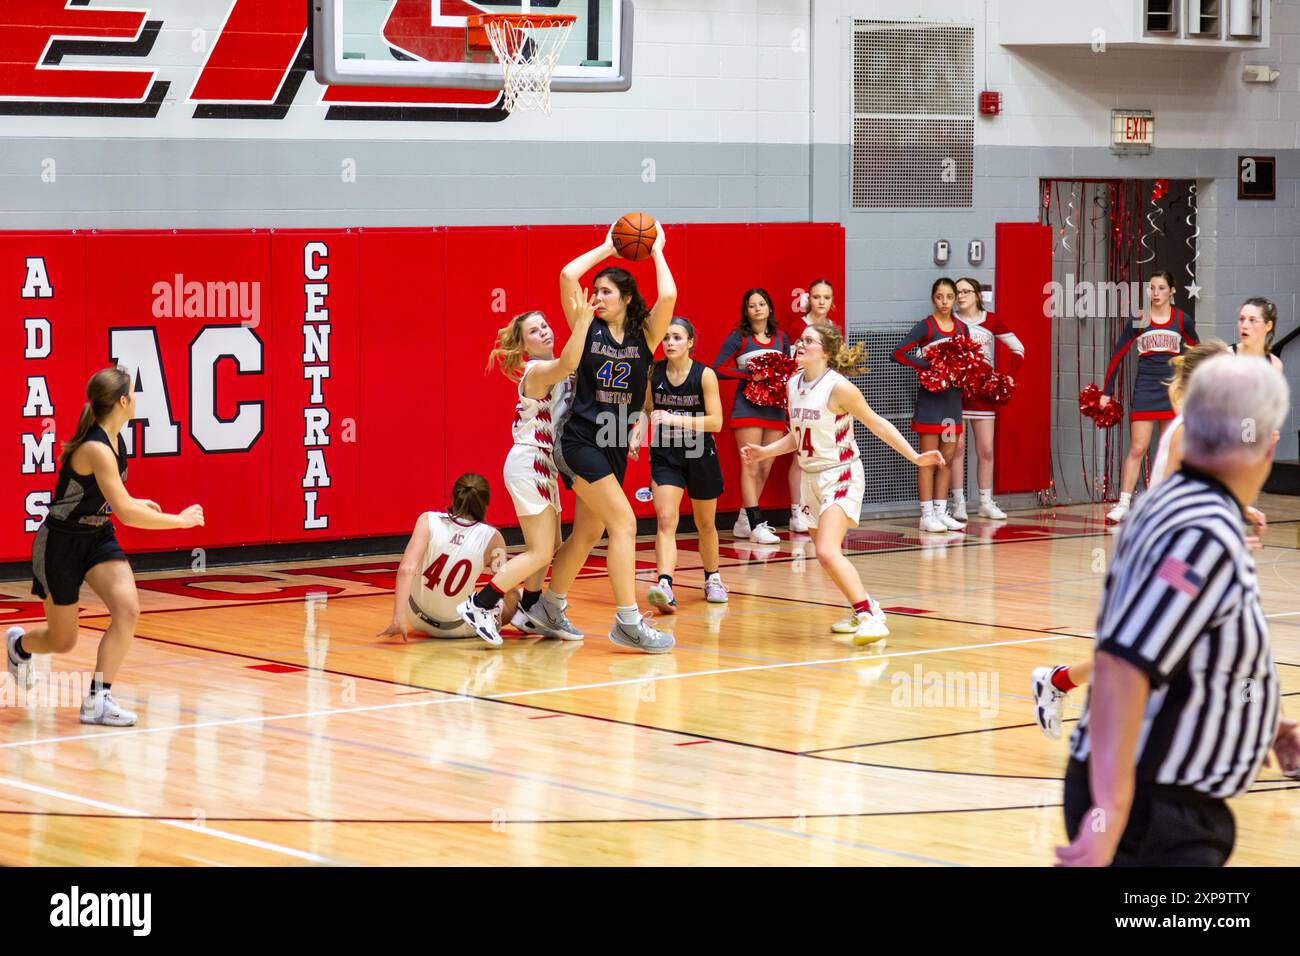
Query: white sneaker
(932, 524)
(991, 511)
(848, 625)
(1117, 514)
(959, 509)
(22, 671)
(101, 708)
(1048, 698)
(949, 522)
(482, 620)
(798, 524)
(871, 628)
(741, 528)
(763, 534)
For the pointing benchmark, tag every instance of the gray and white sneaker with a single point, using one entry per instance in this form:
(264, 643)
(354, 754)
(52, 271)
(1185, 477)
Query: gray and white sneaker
(662, 597)
(641, 637)
(22, 671)
(715, 592)
(554, 619)
(483, 621)
(101, 708)
(1048, 699)
(524, 621)
(763, 534)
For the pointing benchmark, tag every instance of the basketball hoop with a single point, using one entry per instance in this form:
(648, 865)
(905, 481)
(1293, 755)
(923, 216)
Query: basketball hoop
(527, 45)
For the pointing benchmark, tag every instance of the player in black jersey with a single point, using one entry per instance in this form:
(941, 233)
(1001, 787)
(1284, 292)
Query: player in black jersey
(594, 435)
(76, 542)
(685, 409)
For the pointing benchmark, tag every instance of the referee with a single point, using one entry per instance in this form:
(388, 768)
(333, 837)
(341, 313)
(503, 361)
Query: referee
(1184, 702)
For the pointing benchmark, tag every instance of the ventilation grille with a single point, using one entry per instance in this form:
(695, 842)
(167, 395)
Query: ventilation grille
(913, 115)
(890, 390)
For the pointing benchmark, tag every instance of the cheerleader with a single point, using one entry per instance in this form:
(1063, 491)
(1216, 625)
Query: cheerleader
(1051, 684)
(1256, 323)
(684, 410)
(823, 405)
(447, 552)
(985, 328)
(1162, 332)
(593, 437)
(525, 352)
(937, 418)
(756, 334)
(76, 542)
(817, 305)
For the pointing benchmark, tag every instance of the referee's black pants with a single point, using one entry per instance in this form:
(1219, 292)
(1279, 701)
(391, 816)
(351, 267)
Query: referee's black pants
(1168, 826)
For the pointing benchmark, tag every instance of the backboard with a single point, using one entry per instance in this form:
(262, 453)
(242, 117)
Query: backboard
(425, 43)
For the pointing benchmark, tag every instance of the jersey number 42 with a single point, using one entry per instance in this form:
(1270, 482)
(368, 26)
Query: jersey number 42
(614, 374)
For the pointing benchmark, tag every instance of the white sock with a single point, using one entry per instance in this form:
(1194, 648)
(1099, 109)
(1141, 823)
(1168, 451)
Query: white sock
(959, 496)
(553, 599)
(927, 508)
(986, 496)
(940, 507)
(715, 576)
(1125, 497)
(630, 615)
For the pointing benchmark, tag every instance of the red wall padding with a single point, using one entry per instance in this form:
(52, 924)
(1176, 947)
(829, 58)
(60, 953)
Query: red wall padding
(1022, 443)
(395, 323)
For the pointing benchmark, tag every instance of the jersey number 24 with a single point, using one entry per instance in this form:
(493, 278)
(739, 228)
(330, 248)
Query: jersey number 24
(803, 440)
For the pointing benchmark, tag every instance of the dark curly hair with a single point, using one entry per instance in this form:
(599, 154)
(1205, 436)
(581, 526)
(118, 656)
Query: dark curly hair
(637, 310)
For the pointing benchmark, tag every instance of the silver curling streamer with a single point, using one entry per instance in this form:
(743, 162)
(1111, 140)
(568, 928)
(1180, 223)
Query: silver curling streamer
(1193, 222)
(1156, 211)
(1070, 224)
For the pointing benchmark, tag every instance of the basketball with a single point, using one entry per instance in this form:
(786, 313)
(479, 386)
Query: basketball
(635, 235)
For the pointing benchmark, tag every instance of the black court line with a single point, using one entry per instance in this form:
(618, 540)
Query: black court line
(570, 713)
(908, 740)
(408, 821)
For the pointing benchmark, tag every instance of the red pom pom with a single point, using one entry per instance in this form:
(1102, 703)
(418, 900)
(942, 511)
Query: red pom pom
(933, 380)
(995, 388)
(769, 373)
(1090, 407)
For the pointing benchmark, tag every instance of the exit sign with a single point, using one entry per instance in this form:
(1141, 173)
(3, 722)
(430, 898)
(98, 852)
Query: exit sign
(1132, 131)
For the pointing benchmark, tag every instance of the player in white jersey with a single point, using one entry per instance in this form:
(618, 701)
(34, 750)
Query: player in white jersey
(446, 554)
(1051, 684)
(823, 405)
(525, 353)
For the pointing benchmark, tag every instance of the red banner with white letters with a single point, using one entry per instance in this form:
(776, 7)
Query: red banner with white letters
(317, 384)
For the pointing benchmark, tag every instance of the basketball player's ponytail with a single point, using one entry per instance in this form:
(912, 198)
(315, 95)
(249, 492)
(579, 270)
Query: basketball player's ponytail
(838, 357)
(469, 497)
(510, 353)
(637, 311)
(103, 391)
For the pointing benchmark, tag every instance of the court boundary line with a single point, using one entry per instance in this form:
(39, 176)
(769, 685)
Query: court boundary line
(127, 813)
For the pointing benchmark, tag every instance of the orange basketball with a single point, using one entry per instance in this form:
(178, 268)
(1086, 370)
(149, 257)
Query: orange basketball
(635, 235)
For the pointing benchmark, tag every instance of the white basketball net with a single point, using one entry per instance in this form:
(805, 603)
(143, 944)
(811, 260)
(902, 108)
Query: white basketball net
(527, 48)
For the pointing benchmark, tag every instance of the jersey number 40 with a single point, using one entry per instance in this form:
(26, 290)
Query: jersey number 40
(614, 374)
(455, 580)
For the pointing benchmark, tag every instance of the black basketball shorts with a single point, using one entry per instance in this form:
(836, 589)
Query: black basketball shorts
(60, 560)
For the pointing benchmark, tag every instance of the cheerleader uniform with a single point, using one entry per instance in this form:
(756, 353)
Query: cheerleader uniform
(985, 330)
(77, 533)
(1156, 344)
(826, 449)
(936, 412)
(684, 458)
(530, 468)
(608, 393)
(796, 326)
(732, 363)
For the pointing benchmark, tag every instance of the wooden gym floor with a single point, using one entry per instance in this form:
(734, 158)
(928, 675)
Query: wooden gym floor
(276, 729)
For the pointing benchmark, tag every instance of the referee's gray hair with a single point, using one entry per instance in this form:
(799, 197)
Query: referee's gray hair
(1233, 405)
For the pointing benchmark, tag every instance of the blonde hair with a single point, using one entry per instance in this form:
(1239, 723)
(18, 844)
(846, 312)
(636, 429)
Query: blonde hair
(509, 353)
(1187, 363)
(838, 357)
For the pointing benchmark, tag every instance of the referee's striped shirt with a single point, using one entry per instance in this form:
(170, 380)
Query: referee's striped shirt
(1181, 604)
